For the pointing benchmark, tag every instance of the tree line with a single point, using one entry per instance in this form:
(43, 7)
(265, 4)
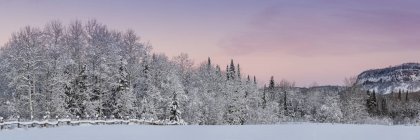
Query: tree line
(86, 70)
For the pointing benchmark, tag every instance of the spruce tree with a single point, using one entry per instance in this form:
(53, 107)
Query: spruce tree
(285, 104)
(227, 73)
(218, 71)
(374, 96)
(174, 111)
(399, 95)
(232, 70)
(77, 98)
(406, 96)
(371, 103)
(384, 107)
(239, 73)
(271, 84)
(264, 98)
(208, 64)
(124, 103)
(255, 80)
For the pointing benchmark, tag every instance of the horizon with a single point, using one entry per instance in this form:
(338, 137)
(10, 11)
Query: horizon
(306, 41)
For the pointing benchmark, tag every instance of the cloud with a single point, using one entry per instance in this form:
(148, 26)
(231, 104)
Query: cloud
(330, 29)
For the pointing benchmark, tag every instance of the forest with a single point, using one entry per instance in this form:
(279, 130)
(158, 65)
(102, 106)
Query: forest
(86, 70)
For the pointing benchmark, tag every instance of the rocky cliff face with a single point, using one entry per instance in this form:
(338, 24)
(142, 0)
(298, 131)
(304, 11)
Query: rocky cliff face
(405, 77)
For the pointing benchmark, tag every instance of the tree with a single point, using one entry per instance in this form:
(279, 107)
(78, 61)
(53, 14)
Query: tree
(208, 64)
(271, 84)
(350, 81)
(175, 113)
(150, 95)
(227, 72)
(55, 79)
(271, 90)
(399, 95)
(78, 97)
(353, 106)
(232, 73)
(330, 111)
(239, 73)
(384, 107)
(236, 110)
(25, 69)
(123, 93)
(285, 105)
(372, 104)
(218, 71)
(264, 98)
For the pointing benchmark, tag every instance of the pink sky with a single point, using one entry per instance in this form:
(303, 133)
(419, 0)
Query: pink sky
(305, 41)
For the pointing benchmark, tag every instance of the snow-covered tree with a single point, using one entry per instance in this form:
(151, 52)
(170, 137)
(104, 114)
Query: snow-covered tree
(174, 112)
(87, 69)
(25, 67)
(353, 106)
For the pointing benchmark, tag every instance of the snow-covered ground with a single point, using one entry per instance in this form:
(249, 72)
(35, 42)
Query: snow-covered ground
(305, 131)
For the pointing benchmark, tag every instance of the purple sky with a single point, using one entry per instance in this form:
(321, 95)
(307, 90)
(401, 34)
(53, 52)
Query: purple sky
(304, 41)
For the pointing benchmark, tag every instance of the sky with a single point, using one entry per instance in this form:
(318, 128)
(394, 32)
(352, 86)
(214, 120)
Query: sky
(305, 41)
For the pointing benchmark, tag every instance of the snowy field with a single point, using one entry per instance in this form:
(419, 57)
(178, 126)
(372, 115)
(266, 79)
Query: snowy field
(250, 132)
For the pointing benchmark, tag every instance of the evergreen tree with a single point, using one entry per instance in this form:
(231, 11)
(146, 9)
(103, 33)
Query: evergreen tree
(406, 96)
(372, 105)
(264, 98)
(271, 84)
(77, 98)
(123, 93)
(285, 104)
(175, 113)
(384, 107)
(232, 70)
(227, 73)
(239, 73)
(255, 80)
(208, 64)
(218, 71)
(399, 95)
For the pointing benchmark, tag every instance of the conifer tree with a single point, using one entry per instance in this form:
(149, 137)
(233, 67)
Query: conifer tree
(285, 103)
(218, 71)
(239, 73)
(208, 64)
(232, 70)
(271, 84)
(174, 111)
(123, 94)
(384, 107)
(371, 103)
(227, 73)
(78, 97)
(264, 98)
(399, 95)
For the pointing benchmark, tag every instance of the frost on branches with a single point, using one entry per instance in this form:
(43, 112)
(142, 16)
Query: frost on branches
(86, 71)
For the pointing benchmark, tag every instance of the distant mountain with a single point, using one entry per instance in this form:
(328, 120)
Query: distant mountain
(405, 77)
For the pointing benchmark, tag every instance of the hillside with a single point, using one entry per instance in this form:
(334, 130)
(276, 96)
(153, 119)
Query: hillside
(405, 77)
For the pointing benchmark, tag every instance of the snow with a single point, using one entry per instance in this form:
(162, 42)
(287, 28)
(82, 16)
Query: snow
(14, 124)
(305, 131)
